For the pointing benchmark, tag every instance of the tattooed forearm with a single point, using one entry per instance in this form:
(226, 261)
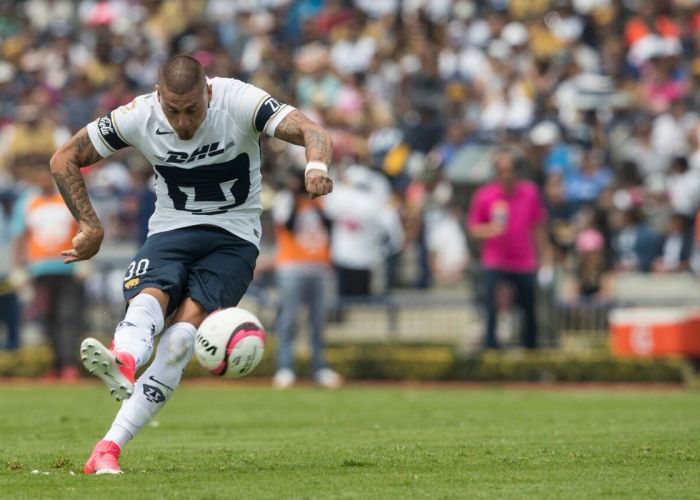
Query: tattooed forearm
(71, 185)
(290, 129)
(298, 129)
(65, 168)
(318, 145)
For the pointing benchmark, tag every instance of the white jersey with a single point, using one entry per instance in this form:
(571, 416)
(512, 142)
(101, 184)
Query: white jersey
(213, 178)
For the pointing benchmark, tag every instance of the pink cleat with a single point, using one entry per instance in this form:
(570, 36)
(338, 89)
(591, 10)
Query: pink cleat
(116, 369)
(104, 459)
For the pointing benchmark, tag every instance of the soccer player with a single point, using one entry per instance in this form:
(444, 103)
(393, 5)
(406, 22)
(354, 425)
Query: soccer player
(202, 137)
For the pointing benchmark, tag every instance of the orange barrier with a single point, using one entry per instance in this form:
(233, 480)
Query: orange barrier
(655, 332)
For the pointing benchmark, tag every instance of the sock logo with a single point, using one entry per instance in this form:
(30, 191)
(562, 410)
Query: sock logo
(160, 383)
(124, 324)
(153, 329)
(153, 394)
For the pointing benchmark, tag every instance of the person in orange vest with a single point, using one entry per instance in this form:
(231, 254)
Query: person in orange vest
(302, 267)
(42, 227)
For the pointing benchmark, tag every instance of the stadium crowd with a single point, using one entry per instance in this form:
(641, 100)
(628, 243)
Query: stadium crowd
(597, 98)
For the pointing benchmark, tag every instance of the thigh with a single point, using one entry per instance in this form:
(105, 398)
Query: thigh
(524, 284)
(163, 262)
(317, 289)
(220, 278)
(289, 282)
(491, 279)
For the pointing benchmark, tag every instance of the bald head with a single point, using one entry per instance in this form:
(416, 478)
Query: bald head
(183, 94)
(181, 74)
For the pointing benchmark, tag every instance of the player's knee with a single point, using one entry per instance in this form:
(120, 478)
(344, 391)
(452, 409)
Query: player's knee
(145, 311)
(180, 345)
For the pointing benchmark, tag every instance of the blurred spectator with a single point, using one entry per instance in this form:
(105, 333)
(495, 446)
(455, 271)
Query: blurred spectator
(591, 266)
(629, 190)
(556, 156)
(302, 267)
(635, 245)
(32, 134)
(9, 303)
(640, 150)
(427, 201)
(670, 130)
(316, 86)
(354, 50)
(447, 246)
(509, 217)
(585, 185)
(592, 277)
(79, 103)
(676, 247)
(683, 189)
(561, 214)
(365, 225)
(456, 137)
(42, 227)
(695, 253)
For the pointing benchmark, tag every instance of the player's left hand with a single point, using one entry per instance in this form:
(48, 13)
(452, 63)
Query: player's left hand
(85, 244)
(318, 183)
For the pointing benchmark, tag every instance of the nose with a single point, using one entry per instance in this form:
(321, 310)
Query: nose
(182, 123)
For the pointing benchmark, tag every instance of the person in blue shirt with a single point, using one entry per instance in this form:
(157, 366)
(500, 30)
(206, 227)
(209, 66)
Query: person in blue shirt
(9, 302)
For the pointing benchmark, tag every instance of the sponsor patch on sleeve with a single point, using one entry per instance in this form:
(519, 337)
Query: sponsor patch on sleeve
(109, 134)
(267, 110)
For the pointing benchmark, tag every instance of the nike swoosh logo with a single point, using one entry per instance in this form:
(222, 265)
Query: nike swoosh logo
(162, 132)
(161, 383)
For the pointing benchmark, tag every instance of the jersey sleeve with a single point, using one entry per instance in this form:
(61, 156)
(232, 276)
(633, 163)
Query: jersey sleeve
(117, 130)
(255, 108)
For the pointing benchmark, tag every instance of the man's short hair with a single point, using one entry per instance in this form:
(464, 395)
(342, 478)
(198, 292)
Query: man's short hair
(181, 74)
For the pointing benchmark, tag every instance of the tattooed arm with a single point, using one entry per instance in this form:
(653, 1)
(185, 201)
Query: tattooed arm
(298, 129)
(65, 167)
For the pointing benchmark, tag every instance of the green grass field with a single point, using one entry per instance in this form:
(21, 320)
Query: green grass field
(360, 442)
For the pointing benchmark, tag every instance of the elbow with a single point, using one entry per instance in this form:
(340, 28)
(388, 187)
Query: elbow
(57, 160)
(53, 163)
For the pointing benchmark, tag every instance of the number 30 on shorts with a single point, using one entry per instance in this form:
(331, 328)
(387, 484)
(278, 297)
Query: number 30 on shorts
(137, 269)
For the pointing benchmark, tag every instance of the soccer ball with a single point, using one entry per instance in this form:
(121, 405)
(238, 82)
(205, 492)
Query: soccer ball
(230, 342)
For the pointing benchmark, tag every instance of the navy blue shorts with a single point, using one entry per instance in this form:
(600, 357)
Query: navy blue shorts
(207, 263)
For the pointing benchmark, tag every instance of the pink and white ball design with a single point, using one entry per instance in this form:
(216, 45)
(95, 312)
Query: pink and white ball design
(230, 342)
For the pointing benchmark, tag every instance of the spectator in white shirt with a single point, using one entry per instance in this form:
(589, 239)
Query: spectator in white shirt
(354, 52)
(364, 225)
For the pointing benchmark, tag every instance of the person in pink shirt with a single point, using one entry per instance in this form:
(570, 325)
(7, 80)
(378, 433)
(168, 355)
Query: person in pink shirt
(508, 217)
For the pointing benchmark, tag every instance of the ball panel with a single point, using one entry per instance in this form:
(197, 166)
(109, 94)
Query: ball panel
(230, 342)
(246, 355)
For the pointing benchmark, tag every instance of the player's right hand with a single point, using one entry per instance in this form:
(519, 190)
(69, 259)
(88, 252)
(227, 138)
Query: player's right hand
(318, 183)
(85, 244)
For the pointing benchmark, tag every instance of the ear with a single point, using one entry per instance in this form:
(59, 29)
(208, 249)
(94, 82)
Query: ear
(208, 93)
(157, 91)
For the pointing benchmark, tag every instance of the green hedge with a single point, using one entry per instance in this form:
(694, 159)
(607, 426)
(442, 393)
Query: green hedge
(434, 363)
(26, 362)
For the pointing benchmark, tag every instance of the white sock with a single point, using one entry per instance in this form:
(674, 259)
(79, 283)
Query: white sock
(157, 384)
(143, 320)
